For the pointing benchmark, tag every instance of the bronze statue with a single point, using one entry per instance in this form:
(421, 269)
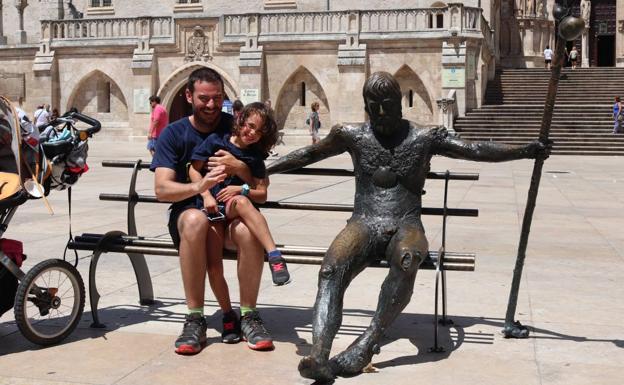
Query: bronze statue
(391, 158)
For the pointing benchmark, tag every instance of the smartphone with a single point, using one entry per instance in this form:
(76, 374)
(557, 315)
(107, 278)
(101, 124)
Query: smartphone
(214, 217)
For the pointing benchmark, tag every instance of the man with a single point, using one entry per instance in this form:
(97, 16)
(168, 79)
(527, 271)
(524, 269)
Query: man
(391, 159)
(158, 121)
(548, 56)
(41, 116)
(193, 234)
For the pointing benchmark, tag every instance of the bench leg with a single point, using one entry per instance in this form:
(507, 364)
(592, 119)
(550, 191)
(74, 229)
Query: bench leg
(436, 348)
(141, 271)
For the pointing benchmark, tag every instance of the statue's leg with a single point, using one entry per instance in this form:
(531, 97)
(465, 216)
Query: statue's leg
(406, 251)
(345, 258)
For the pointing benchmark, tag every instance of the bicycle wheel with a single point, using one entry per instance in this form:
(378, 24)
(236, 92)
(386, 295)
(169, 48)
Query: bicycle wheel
(49, 302)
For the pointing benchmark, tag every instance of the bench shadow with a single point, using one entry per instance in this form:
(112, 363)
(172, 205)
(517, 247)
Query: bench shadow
(286, 323)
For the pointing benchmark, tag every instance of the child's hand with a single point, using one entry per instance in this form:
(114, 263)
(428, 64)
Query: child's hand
(210, 204)
(228, 193)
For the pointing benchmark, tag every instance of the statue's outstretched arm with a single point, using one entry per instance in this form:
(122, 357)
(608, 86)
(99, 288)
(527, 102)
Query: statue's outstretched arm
(332, 144)
(488, 151)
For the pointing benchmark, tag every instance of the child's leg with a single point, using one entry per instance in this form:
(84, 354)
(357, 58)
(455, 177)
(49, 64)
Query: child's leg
(241, 207)
(214, 266)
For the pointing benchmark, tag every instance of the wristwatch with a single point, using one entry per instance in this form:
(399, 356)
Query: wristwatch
(245, 189)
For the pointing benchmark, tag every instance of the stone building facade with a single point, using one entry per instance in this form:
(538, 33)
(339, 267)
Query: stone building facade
(106, 57)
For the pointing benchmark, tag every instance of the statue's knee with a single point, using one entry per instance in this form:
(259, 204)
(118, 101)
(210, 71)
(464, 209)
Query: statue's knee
(327, 271)
(410, 259)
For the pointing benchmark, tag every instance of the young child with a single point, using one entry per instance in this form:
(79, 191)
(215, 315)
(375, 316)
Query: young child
(253, 135)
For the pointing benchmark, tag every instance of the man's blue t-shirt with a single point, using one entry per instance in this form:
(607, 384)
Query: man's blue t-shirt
(176, 144)
(215, 142)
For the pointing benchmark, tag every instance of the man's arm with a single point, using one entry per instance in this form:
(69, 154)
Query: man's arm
(167, 189)
(487, 151)
(332, 144)
(233, 166)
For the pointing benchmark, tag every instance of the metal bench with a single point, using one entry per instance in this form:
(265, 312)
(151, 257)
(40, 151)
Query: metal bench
(136, 247)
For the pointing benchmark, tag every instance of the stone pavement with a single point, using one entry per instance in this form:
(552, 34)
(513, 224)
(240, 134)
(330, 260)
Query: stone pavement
(571, 293)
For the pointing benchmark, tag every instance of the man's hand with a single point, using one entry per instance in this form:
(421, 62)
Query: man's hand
(537, 149)
(228, 193)
(214, 176)
(227, 160)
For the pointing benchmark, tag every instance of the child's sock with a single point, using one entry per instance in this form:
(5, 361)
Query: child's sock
(274, 254)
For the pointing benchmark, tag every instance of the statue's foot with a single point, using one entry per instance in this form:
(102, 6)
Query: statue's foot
(352, 361)
(309, 367)
(516, 330)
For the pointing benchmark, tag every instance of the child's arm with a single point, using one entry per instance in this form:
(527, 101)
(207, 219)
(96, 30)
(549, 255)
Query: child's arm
(195, 176)
(257, 193)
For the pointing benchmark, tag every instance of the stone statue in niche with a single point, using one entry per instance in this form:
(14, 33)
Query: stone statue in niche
(586, 11)
(540, 9)
(198, 47)
(391, 157)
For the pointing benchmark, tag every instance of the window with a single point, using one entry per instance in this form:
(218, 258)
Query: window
(101, 3)
(303, 92)
(188, 6)
(410, 99)
(188, 1)
(280, 4)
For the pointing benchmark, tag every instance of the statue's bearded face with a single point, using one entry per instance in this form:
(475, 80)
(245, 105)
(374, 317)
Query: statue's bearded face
(385, 114)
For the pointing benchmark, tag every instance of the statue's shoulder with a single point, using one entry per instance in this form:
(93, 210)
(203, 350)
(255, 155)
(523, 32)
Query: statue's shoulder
(432, 132)
(347, 130)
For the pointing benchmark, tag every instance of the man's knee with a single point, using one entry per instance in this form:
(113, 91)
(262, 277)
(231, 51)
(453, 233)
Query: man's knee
(409, 259)
(192, 222)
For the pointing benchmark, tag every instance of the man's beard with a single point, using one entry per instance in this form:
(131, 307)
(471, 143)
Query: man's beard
(200, 118)
(384, 125)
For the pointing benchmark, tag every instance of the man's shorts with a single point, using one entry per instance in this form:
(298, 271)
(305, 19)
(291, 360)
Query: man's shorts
(548, 61)
(172, 225)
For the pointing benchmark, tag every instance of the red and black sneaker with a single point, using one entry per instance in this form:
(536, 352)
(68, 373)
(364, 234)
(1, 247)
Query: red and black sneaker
(193, 337)
(254, 332)
(279, 271)
(231, 328)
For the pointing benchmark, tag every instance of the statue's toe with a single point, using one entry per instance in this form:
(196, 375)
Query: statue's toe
(309, 367)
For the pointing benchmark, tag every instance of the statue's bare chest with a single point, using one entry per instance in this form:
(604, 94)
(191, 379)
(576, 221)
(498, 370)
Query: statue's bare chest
(386, 165)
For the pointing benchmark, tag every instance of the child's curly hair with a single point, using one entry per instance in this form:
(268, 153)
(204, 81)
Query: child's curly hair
(269, 127)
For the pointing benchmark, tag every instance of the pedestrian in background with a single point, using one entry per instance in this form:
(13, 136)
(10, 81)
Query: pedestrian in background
(618, 116)
(573, 57)
(158, 121)
(548, 55)
(314, 123)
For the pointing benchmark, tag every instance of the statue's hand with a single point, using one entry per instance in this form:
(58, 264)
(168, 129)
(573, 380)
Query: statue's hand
(538, 149)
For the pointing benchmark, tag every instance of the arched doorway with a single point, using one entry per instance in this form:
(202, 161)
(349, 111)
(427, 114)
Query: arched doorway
(415, 101)
(99, 96)
(180, 107)
(298, 93)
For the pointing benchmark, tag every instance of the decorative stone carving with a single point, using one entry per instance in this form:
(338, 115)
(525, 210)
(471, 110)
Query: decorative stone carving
(198, 46)
(586, 11)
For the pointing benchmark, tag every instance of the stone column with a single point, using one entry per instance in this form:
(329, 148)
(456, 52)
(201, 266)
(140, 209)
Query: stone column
(352, 69)
(619, 35)
(143, 82)
(251, 66)
(585, 48)
(20, 35)
(3, 39)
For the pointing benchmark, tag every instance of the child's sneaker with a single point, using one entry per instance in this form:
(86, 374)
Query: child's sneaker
(279, 270)
(231, 328)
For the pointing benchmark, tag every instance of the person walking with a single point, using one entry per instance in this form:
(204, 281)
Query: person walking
(618, 116)
(548, 55)
(573, 57)
(158, 121)
(314, 123)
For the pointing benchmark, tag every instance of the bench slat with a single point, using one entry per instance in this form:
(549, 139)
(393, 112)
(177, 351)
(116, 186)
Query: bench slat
(292, 254)
(310, 171)
(456, 212)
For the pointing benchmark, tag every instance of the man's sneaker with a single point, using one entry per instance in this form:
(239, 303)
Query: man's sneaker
(254, 332)
(279, 271)
(231, 328)
(193, 336)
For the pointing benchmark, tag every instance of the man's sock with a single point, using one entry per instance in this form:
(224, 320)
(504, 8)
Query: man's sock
(246, 309)
(274, 254)
(193, 310)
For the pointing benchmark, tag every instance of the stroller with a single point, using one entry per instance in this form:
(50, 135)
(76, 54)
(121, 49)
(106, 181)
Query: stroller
(48, 300)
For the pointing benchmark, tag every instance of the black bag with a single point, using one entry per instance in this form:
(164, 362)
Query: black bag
(8, 288)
